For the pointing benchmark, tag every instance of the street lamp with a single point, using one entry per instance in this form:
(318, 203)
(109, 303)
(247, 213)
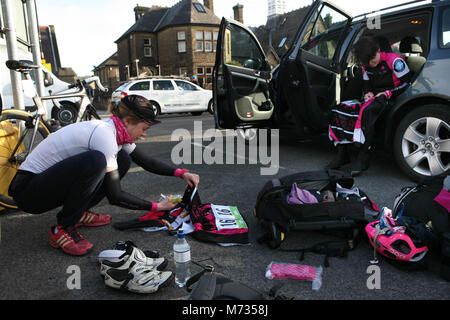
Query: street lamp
(137, 67)
(128, 71)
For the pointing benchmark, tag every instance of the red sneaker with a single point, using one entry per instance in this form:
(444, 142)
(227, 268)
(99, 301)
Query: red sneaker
(90, 219)
(70, 241)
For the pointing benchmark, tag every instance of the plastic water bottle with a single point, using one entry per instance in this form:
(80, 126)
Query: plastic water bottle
(182, 257)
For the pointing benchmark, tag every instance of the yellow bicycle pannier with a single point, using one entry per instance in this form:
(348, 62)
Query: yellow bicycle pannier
(8, 139)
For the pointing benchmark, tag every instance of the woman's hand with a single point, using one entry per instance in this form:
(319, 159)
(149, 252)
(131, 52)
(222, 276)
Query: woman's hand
(191, 179)
(166, 204)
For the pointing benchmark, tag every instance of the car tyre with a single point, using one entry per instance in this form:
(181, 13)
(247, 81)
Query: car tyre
(422, 142)
(211, 106)
(156, 108)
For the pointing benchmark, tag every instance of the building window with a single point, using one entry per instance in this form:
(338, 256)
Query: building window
(208, 46)
(181, 46)
(200, 70)
(215, 35)
(147, 51)
(199, 46)
(206, 41)
(208, 70)
(199, 7)
(181, 37)
(147, 47)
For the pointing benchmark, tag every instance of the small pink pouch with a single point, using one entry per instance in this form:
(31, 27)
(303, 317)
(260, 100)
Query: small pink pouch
(276, 270)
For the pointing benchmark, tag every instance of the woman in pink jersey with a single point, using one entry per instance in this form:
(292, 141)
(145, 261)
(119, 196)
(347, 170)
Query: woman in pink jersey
(385, 76)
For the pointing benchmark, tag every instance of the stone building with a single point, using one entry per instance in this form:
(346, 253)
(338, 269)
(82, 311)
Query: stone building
(180, 40)
(108, 72)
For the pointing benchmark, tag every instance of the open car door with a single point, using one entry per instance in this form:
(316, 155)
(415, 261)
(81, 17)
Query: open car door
(241, 79)
(310, 72)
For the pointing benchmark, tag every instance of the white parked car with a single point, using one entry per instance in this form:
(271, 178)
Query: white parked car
(169, 95)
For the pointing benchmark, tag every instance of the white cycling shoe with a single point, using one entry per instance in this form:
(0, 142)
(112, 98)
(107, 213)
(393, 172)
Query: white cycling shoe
(132, 254)
(139, 278)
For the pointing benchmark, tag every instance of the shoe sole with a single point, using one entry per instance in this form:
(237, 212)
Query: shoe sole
(56, 246)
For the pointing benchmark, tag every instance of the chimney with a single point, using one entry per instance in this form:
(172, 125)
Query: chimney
(139, 12)
(238, 13)
(209, 4)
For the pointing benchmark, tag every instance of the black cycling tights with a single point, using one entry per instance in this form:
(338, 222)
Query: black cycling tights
(74, 183)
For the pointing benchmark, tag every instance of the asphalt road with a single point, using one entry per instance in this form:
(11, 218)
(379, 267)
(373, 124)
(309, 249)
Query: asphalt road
(31, 269)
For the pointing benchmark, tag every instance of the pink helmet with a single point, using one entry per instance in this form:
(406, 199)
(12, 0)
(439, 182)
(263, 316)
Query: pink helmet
(398, 245)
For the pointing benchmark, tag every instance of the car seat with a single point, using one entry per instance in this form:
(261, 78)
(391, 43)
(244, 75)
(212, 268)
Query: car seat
(411, 50)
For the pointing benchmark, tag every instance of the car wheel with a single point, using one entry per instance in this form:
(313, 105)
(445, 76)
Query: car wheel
(156, 108)
(422, 142)
(67, 114)
(211, 107)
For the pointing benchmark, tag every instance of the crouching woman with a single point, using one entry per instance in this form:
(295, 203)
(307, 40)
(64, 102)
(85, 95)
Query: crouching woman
(78, 165)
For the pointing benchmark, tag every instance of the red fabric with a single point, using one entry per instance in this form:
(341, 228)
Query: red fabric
(122, 135)
(444, 199)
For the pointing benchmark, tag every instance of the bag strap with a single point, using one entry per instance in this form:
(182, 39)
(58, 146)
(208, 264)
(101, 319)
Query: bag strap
(192, 280)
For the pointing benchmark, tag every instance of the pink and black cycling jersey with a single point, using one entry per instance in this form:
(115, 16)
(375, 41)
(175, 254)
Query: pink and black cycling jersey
(391, 76)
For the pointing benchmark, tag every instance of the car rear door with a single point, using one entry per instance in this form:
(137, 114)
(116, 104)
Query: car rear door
(141, 88)
(310, 72)
(166, 96)
(241, 79)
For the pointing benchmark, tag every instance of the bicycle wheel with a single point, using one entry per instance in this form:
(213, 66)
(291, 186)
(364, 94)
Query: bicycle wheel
(16, 131)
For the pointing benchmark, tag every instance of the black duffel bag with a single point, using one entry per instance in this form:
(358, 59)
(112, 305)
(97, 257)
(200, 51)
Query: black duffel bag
(277, 216)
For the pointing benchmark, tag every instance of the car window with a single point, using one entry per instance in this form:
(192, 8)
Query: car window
(163, 85)
(122, 87)
(242, 50)
(183, 85)
(324, 32)
(445, 28)
(140, 86)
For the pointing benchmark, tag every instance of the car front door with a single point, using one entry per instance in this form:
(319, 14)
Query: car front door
(240, 79)
(188, 94)
(310, 73)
